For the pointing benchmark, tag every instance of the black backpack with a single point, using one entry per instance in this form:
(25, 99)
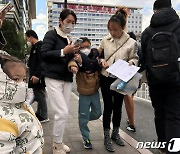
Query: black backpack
(162, 55)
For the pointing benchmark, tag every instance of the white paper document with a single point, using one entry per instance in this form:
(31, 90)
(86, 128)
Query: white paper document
(123, 70)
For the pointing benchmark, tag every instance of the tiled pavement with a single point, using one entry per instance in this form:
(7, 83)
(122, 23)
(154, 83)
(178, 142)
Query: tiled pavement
(72, 136)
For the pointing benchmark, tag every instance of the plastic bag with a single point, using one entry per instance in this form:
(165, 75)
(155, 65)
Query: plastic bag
(131, 86)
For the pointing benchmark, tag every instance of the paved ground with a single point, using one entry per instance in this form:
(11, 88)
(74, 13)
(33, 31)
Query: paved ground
(72, 136)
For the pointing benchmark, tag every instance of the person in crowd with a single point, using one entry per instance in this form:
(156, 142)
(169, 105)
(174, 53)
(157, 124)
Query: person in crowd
(87, 80)
(36, 80)
(165, 96)
(57, 50)
(116, 45)
(128, 100)
(20, 130)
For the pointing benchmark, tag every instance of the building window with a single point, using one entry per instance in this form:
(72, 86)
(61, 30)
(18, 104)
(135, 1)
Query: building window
(5, 1)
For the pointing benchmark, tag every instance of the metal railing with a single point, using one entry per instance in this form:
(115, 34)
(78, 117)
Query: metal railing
(143, 92)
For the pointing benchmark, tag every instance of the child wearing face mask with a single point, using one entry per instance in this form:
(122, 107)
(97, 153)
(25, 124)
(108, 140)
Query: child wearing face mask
(87, 63)
(20, 130)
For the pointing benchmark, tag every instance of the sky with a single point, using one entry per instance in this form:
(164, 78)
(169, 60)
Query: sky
(40, 23)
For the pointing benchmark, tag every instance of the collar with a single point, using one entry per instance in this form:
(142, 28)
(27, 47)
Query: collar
(120, 40)
(62, 34)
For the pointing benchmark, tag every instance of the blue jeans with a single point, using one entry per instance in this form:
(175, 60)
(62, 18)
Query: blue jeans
(39, 96)
(89, 109)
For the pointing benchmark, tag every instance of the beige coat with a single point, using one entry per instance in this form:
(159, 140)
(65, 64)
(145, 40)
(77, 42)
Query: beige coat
(127, 52)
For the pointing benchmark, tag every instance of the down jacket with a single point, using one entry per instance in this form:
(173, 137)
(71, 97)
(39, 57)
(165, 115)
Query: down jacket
(53, 64)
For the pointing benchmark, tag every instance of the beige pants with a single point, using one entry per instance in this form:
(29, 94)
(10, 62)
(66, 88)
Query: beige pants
(59, 93)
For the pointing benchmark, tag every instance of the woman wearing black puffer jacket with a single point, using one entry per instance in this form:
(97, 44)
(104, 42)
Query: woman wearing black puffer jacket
(57, 50)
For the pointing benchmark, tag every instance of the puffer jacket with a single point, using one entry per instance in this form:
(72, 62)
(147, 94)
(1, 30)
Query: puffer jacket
(20, 130)
(163, 20)
(53, 64)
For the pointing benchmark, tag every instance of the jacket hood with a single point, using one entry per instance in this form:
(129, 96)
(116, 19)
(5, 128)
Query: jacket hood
(164, 17)
(10, 91)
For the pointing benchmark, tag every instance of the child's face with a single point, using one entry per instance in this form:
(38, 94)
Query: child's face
(115, 30)
(85, 45)
(15, 71)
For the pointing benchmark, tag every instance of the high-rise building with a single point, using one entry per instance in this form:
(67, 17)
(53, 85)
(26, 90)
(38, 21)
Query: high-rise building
(92, 18)
(22, 13)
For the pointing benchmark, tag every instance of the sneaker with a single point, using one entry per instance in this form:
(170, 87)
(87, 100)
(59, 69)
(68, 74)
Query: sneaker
(58, 148)
(66, 148)
(87, 144)
(42, 120)
(131, 128)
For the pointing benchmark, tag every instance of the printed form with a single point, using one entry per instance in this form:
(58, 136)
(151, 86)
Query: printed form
(123, 70)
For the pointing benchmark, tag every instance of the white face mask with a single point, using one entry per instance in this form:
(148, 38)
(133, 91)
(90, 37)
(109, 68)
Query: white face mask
(12, 92)
(29, 44)
(68, 27)
(86, 51)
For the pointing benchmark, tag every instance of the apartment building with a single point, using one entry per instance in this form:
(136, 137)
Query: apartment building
(92, 18)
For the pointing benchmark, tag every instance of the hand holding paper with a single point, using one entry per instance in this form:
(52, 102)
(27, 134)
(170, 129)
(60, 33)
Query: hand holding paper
(123, 70)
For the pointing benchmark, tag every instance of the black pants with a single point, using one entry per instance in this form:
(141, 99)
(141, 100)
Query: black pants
(39, 96)
(166, 104)
(112, 103)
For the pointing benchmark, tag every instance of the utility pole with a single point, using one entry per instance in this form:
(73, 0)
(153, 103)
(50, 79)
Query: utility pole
(65, 4)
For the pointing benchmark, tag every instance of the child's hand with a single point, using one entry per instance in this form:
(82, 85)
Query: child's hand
(77, 57)
(74, 69)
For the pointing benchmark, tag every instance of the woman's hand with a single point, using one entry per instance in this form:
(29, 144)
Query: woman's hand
(74, 69)
(131, 63)
(70, 48)
(77, 57)
(34, 79)
(104, 64)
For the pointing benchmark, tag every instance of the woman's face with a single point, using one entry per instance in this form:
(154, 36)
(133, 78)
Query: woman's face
(115, 30)
(69, 20)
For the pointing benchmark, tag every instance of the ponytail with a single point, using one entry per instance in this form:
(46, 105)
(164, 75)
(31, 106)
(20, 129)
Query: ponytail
(120, 17)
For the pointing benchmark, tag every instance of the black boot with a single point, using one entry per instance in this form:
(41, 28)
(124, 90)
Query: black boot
(116, 137)
(107, 141)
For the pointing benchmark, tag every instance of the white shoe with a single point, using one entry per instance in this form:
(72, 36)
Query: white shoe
(60, 148)
(66, 148)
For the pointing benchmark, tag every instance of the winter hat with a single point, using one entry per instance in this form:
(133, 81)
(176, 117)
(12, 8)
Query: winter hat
(159, 4)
